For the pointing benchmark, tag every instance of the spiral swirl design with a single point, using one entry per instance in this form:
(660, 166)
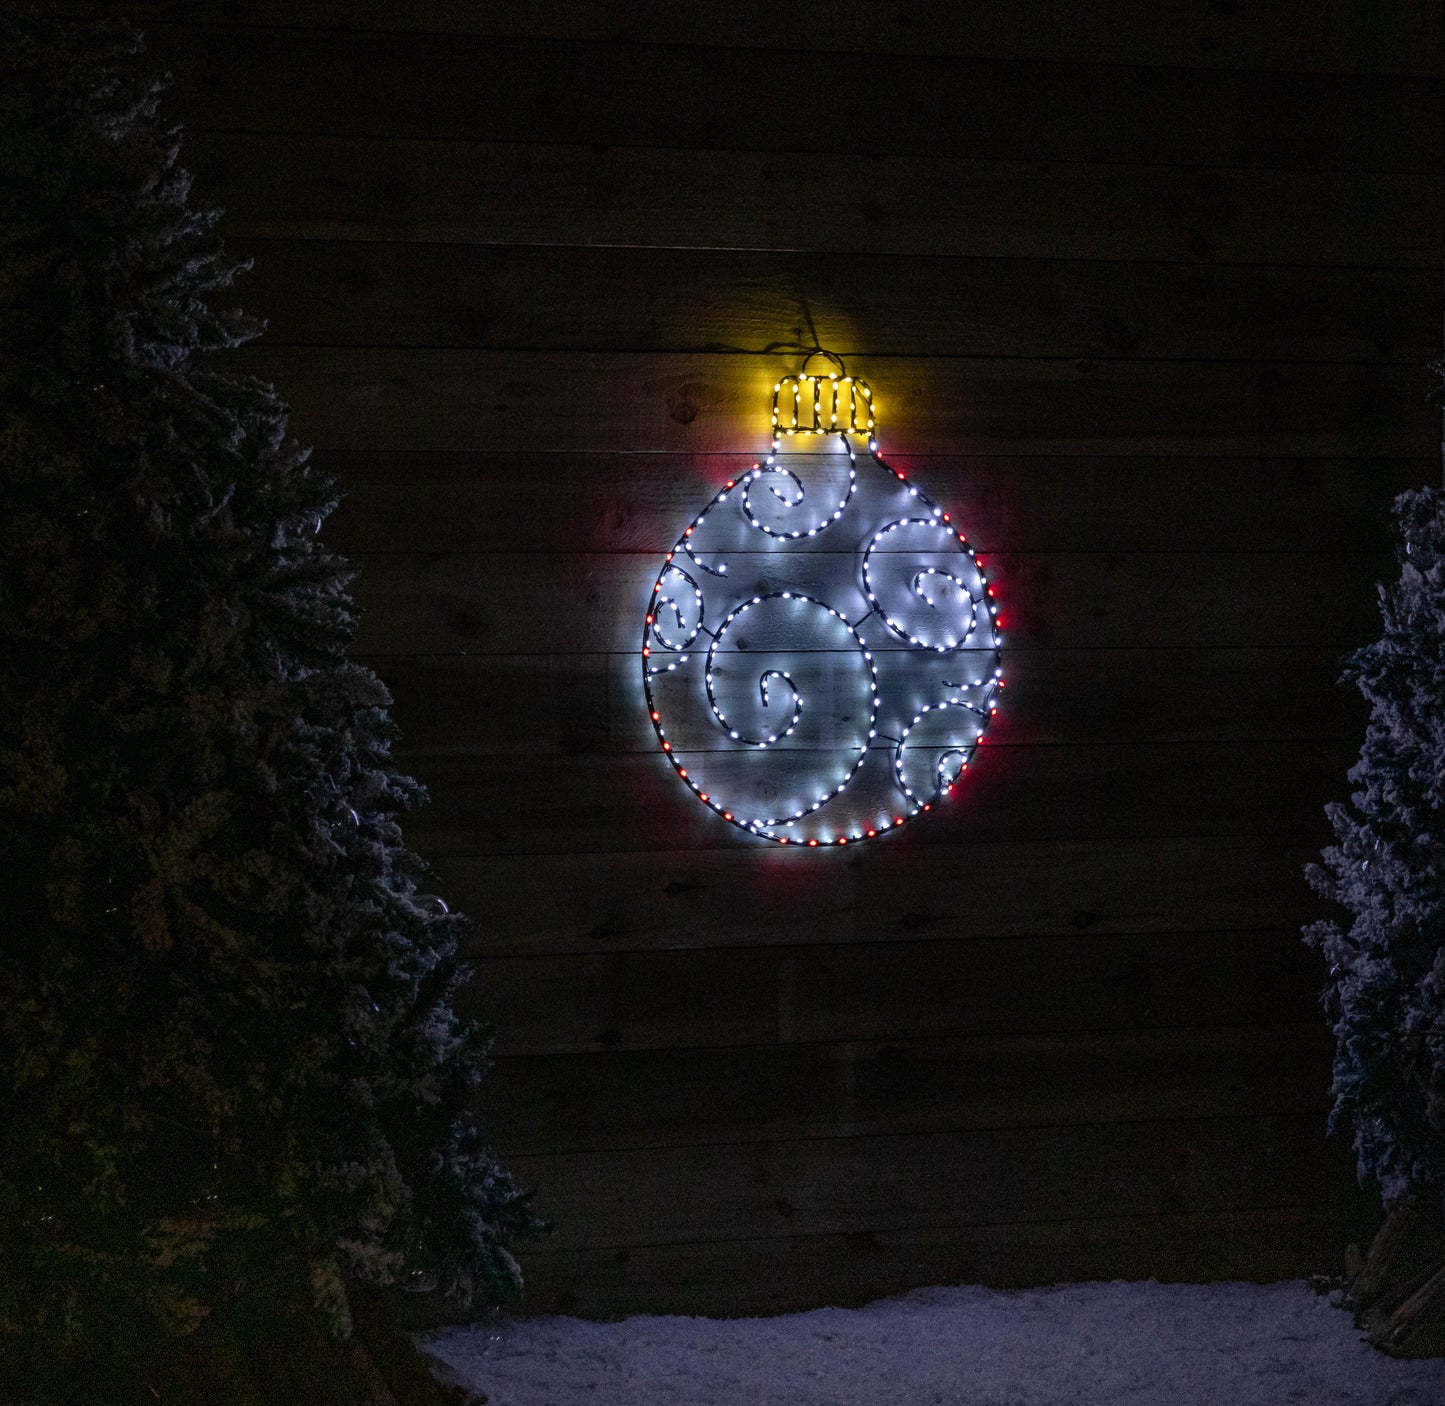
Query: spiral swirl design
(937, 746)
(776, 501)
(761, 707)
(849, 681)
(681, 598)
(936, 608)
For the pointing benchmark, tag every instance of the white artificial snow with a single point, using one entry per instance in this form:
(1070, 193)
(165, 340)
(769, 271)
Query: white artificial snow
(1074, 1345)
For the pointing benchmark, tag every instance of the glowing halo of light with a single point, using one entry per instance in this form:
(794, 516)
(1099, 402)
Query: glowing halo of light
(675, 603)
(914, 591)
(942, 778)
(922, 582)
(736, 616)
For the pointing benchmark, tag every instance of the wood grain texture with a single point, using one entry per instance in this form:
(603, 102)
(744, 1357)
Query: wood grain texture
(672, 900)
(453, 502)
(400, 501)
(421, 398)
(592, 703)
(615, 1199)
(579, 804)
(785, 1273)
(1332, 36)
(327, 292)
(482, 88)
(505, 603)
(901, 989)
(322, 187)
(554, 1103)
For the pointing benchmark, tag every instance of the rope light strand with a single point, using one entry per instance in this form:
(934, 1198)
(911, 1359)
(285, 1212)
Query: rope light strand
(914, 590)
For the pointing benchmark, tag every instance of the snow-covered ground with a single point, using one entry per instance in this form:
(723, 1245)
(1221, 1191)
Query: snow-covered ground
(1074, 1345)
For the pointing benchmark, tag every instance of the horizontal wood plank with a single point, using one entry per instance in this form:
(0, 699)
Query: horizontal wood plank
(896, 990)
(416, 398)
(542, 804)
(483, 88)
(788, 1273)
(1146, 293)
(683, 1097)
(1344, 36)
(504, 603)
(360, 293)
(689, 899)
(465, 502)
(593, 703)
(319, 187)
(920, 1181)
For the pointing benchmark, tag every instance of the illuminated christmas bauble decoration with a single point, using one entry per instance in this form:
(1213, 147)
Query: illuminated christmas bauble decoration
(821, 651)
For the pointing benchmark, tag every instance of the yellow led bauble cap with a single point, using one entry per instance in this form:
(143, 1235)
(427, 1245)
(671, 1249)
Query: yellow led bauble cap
(834, 403)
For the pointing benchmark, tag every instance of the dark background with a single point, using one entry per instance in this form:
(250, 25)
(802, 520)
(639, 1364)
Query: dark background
(1146, 292)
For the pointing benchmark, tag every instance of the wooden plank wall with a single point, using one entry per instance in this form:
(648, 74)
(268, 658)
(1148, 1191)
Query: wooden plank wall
(1147, 291)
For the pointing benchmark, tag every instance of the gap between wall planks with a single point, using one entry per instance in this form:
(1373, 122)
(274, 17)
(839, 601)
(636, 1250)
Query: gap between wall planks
(512, 297)
(1332, 36)
(1146, 295)
(905, 1181)
(585, 704)
(446, 501)
(522, 804)
(463, 399)
(576, 1100)
(903, 989)
(324, 187)
(507, 603)
(487, 89)
(780, 1273)
(684, 900)
(455, 399)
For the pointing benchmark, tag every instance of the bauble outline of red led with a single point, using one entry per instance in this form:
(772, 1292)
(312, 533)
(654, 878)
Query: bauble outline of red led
(851, 411)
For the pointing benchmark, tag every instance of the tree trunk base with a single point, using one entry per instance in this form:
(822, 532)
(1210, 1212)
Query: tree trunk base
(1397, 1293)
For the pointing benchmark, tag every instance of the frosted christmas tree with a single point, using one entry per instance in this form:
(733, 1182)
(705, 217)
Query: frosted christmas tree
(1386, 988)
(821, 650)
(234, 1088)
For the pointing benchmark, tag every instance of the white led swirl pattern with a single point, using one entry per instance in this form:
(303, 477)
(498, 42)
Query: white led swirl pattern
(936, 747)
(821, 649)
(937, 608)
(774, 509)
(759, 705)
(679, 596)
